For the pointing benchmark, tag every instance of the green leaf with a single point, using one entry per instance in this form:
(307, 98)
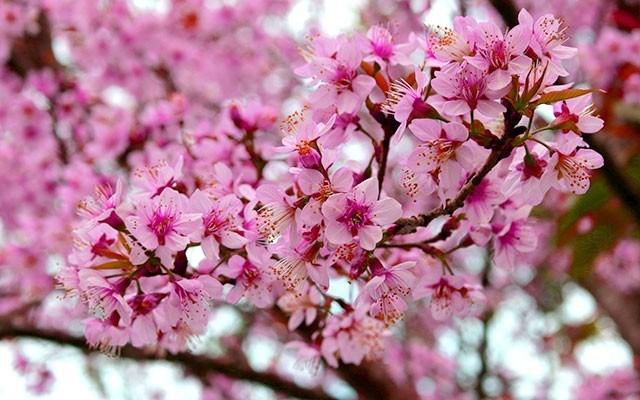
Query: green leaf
(113, 265)
(553, 97)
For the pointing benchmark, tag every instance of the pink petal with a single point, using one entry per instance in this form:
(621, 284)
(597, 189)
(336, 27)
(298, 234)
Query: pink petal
(386, 211)
(369, 236)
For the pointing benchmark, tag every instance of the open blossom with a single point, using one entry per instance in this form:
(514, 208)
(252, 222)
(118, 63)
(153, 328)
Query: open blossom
(98, 245)
(359, 214)
(151, 316)
(163, 224)
(301, 138)
(382, 47)
(220, 223)
(443, 144)
(352, 337)
(547, 40)
(218, 181)
(449, 294)
(501, 56)
(153, 179)
(531, 174)
(102, 296)
(388, 289)
(189, 298)
(466, 89)
(105, 336)
(236, 223)
(454, 44)
(481, 204)
(575, 164)
(314, 184)
(514, 237)
(101, 207)
(253, 280)
(302, 308)
(343, 86)
(406, 102)
(296, 266)
(308, 357)
(576, 115)
(277, 213)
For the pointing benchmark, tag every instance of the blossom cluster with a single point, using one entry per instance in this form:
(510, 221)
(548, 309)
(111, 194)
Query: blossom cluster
(620, 70)
(447, 121)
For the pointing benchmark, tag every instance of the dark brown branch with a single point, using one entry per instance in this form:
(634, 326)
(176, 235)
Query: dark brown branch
(382, 167)
(33, 51)
(371, 381)
(198, 364)
(507, 11)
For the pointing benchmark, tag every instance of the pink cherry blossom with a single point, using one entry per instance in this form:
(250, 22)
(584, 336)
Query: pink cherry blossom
(220, 222)
(514, 237)
(530, 173)
(501, 55)
(449, 294)
(352, 337)
(388, 289)
(102, 205)
(576, 115)
(106, 337)
(406, 102)
(253, 280)
(443, 144)
(301, 307)
(360, 214)
(315, 185)
(162, 224)
(343, 87)
(301, 138)
(547, 40)
(155, 178)
(382, 47)
(189, 298)
(466, 89)
(575, 164)
(277, 213)
(454, 44)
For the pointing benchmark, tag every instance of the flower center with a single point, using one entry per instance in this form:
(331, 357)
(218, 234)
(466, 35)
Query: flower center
(355, 216)
(161, 226)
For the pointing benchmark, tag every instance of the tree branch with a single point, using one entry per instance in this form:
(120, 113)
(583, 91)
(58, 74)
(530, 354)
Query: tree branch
(198, 364)
(502, 150)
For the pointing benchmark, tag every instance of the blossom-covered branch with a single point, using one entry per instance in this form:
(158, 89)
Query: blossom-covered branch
(147, 164)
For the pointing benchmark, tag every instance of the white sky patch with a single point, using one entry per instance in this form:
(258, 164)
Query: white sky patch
(116, 96)
(578, 306)
(158, 6)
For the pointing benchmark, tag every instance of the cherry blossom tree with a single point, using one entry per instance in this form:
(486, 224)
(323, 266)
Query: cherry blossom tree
(354, 200)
